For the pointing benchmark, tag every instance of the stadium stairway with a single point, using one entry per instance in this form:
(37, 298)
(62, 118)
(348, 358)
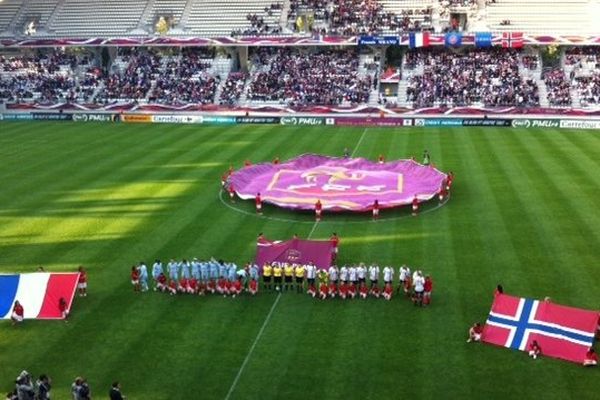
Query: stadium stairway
(185, 15)
(146, 18)
(19, 16)
(42, 10)
(575, 98)
(54, 14)
(10, 9)
(222, 68)
(536, 75)
(401, 99)
(543, 90)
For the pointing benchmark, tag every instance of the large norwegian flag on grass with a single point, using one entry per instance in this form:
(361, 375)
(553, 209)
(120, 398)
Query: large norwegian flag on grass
(39, 293)
(562, 332)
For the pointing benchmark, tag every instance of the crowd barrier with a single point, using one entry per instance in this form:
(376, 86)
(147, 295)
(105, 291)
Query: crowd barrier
(383, 121)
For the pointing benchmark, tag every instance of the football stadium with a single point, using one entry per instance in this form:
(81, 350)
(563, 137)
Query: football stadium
(293, 199)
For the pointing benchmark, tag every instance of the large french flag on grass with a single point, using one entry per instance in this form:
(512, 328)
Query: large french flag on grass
(39, 293)
(562, 332)
(418, 39)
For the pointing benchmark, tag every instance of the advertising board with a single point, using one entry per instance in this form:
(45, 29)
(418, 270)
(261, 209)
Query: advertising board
(136, 118)
(257, 120)
(52, 116)
(579, 124)
(93, 117)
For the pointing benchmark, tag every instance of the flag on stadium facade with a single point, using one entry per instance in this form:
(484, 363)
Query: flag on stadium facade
(453, 39)
(39, 293)
(561, 331)
(296, 251)
(483, 39)
(512, 40)
(418, 39)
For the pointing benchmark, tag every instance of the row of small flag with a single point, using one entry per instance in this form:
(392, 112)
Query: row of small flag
(454, 39)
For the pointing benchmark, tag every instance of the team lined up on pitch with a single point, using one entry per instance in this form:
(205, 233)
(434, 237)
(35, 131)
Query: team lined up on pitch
(224, 278)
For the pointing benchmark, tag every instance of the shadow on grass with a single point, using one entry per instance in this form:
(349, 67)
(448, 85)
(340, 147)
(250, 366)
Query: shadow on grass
(101, 208)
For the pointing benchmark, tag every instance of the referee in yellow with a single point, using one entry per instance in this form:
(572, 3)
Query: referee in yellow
(277, 274)
(267, 273)
(299, 272)
(288, 276)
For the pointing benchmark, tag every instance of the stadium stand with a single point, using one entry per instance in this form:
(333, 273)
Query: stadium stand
(474, 77)
(218, 18)
(38, 12)
(97, 18)
(542, 16)
(172, 9)
(361, 16)
(189, 76)
(233, 88)
(302, 77)
(582, 65)
(45, 78)
(8, 12)
(213, 18)
(558, 87)
(297, 76)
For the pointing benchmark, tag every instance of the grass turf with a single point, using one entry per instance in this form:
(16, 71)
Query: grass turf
(523, 212)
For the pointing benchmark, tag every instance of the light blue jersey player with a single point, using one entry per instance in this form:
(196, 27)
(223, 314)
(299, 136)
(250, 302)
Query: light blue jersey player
(196, 268)
(184, 267)
(232, 272)
(204, 271)
(173, 269)
(143, 270)
(253, 271)
(214, 269)
(157, 269)
(223, 269)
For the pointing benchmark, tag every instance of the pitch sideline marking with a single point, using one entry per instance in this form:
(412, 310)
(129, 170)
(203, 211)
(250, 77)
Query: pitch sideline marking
(359, 142)
(258, 336)
(260, 332)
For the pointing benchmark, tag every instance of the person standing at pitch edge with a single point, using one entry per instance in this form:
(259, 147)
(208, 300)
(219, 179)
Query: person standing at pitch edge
(426, 158)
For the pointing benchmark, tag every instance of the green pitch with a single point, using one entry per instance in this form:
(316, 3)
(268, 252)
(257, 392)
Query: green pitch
(523, 213)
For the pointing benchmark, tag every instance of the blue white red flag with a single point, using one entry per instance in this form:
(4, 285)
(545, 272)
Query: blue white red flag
(562, 332)
(418, 39)
(39, 293)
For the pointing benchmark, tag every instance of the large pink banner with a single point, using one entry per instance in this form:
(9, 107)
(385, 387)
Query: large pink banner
(295, 251)
(340, 184)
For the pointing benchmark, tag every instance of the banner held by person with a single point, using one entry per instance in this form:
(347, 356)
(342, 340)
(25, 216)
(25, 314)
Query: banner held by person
(561, 332)
(295, 251)
(39, 293)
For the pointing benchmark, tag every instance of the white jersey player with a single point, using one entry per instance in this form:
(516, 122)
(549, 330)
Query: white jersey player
(388, 274)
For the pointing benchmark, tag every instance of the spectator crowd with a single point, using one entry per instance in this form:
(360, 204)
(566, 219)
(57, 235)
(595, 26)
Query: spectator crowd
(359, 17)
(185, 79)
(558, 86)
(233, 88)
(45, 77)
(585, 73)
(295, 77)
(298, 77)
(258, 25)
(489, 77)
